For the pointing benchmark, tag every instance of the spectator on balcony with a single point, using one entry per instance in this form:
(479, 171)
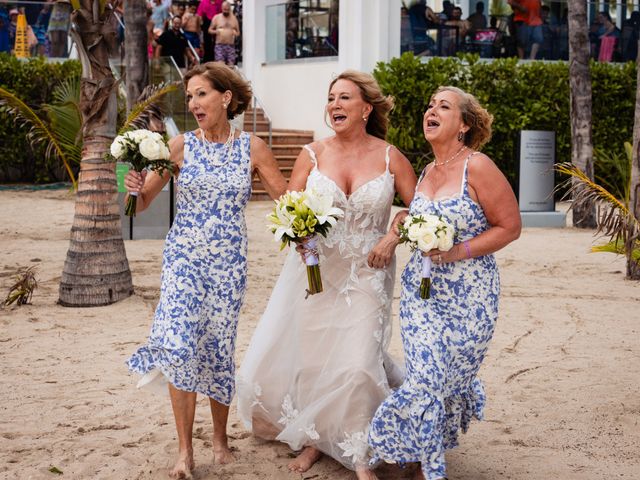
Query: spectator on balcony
(477, 20)
(550, 32)
(224, 27)
(173, 43)
(40, 29)
(58, 28)
(454, 36)
(422, 18)
(208, 9)
(5, 46)
(528, 25)
(630, 34)
(608, 45)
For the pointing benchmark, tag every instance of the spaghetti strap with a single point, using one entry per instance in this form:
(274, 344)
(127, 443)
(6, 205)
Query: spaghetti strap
(386, 156)
(421, 177)
(312, 154)
(464, 182)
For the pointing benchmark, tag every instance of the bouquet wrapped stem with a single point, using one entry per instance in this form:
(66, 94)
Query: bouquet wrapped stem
(425, 283)
(131, 205)
(312, 260)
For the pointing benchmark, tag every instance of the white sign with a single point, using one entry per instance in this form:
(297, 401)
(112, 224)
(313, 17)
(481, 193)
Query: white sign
(537, 156)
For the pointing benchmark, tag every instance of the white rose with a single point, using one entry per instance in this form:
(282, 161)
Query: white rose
(166, 154)
(427, 241)
(139, 135)
(432, 221)
(117, 148)
(414, 231)
(445, 239)
(151, 149)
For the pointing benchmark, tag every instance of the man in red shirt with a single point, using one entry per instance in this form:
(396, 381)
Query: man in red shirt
(526, 17)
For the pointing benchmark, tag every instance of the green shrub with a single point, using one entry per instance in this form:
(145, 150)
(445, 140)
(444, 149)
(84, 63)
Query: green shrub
(520, 95)
(33, 81)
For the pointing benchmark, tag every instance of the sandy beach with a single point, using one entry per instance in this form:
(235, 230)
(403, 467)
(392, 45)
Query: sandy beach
(561, 375)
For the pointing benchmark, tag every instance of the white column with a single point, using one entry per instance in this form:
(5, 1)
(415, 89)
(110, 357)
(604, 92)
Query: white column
(369, 32)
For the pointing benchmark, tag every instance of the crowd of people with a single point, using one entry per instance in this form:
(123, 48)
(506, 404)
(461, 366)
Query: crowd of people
(532, 31)
(189, 32)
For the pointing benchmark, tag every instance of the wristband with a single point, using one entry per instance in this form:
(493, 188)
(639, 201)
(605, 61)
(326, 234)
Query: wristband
(467, 248)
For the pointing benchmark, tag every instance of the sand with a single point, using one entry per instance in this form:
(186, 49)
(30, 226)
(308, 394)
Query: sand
(561, 374)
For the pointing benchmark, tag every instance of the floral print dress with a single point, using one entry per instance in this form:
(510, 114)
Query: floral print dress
(204, 272)
(316, 368)
(445, 339)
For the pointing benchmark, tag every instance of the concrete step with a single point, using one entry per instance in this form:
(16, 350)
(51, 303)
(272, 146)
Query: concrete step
(261, 125)
(289, 150)
(259, 114)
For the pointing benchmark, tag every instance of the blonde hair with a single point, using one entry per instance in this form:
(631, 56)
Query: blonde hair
(378, 121)
(223, 78)
(474, 116)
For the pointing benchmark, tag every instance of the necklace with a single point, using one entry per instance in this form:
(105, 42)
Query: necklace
(447, 161)
(219, 156)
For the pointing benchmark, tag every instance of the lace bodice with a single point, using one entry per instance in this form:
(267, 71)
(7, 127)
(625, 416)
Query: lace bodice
(366, 210)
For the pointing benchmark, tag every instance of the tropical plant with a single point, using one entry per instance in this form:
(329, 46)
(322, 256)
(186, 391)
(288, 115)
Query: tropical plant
(58, 130)
(614, 218)
(22, 291)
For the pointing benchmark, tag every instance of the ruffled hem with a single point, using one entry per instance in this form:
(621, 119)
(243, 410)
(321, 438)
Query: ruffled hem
(419, 426)
(157, 367)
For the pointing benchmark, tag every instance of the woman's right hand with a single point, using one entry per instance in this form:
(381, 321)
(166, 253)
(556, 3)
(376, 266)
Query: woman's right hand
(134, 181)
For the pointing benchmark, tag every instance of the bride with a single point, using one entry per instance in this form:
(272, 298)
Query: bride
(314, 372)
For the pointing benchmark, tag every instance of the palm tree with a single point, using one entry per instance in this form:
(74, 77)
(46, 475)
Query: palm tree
(580, 108)
(96, 270)
(135, 49)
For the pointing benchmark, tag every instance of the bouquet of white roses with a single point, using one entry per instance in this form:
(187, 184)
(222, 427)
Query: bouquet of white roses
(426, 232)
(142, 149)
(300, 217)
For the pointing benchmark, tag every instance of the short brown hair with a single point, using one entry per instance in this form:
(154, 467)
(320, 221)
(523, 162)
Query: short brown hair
(372, 94)
(474, 116)
(223, 78)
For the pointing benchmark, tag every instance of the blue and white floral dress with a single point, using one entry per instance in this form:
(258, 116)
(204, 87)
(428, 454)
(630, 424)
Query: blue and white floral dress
(204, 273)
(445, 339)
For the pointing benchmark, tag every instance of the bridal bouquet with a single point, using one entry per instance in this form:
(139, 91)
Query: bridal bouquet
(426, 232)
(300, 217)
(142, 149)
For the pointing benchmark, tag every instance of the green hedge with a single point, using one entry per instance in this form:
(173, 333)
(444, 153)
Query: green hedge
(521, 96)
(33, 81)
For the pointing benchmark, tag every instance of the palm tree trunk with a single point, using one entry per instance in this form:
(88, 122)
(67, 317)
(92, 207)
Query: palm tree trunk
(633, 269)
(580, 108)
(135, 49)
(96, 271)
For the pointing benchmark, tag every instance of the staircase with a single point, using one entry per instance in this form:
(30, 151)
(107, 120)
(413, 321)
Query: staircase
(285, 145)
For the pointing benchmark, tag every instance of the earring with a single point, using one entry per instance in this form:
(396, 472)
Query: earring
(365, 119)
(460, 136)
(224, 105)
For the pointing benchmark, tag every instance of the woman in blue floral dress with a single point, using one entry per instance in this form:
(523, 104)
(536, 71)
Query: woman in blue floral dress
(446, 336)
(204, 268)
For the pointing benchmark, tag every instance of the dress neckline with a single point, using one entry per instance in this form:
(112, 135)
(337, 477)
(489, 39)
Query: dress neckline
(344, 194)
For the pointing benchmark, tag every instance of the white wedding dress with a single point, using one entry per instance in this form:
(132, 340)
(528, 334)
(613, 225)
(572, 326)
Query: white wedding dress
(314, 372)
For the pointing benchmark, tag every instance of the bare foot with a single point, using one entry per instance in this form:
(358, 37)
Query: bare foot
(182, 469)
(365, 474)
(305, 460)
(221, 452)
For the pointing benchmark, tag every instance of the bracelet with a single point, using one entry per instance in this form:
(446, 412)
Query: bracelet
(467, 248)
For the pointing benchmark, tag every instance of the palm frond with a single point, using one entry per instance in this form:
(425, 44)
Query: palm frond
(149, 106)
(618, 248)
(613, 216)
(66, 118)
(39, 132)
(613, 172)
